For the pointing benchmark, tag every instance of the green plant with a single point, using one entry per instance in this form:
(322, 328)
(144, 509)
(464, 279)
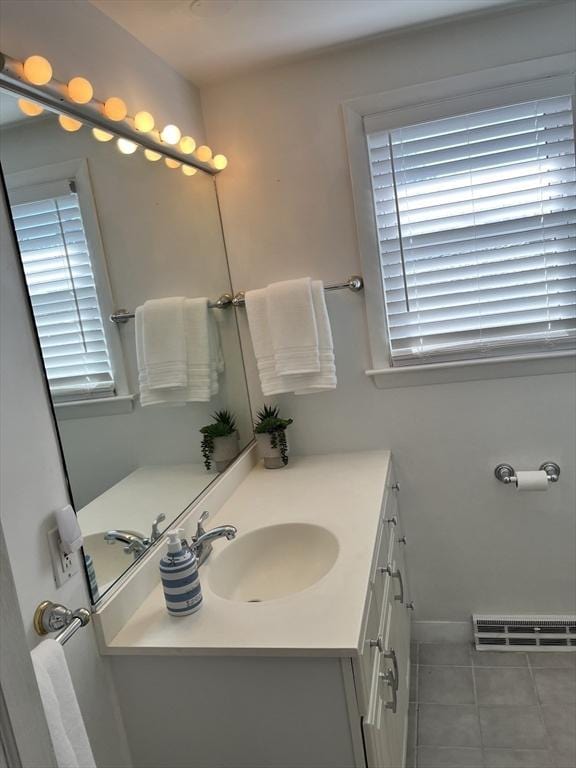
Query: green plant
(223, 425)
(269, 422)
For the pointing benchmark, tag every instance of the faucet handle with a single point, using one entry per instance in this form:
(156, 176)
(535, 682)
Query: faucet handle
(155, 535)
(202, 519)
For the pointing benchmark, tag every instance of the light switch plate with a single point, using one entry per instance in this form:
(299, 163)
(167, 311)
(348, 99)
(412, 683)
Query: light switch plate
(64, 566)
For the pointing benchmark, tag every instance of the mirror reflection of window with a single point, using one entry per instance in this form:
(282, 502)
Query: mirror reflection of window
(60, 278)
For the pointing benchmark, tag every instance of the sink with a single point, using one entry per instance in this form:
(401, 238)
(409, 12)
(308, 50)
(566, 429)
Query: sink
(273, 562)
(109, 560)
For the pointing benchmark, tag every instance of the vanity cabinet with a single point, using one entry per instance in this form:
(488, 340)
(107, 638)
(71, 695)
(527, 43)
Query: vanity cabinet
(328, 704)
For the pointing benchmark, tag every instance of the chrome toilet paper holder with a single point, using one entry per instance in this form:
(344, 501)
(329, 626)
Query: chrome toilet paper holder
(507, 474)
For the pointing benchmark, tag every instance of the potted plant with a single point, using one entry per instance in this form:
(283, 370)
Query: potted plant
(270, 432)
(220, 441)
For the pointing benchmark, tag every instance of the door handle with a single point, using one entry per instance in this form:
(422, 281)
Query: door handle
(391, 654)
(388, 678)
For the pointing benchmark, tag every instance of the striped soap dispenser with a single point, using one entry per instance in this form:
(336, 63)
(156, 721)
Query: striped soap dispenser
(180, 579)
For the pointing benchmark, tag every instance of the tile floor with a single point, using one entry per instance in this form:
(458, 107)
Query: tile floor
(487, 709)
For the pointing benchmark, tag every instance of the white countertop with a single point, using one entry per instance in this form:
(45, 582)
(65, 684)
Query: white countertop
(341, 492)
(134, 502)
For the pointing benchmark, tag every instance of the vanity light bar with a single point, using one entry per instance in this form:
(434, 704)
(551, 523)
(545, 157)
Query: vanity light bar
(54, 96)
(354, 283)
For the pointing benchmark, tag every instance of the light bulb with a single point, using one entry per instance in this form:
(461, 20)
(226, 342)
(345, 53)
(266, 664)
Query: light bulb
(126, 147)
(187, 145)
(115, 109)
(143, 122)
(80, 90)
(220, 162)
(172, 163)
(189, 170)
(69, 124)
(100, 135)
(149, 154)
(170, 134)
(204, 153)
(37, 70)
(30, 108)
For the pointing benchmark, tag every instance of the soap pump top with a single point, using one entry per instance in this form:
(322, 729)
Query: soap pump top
(174, 542)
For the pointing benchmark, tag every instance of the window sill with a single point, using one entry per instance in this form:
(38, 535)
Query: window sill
(474, 370)
(103, 406)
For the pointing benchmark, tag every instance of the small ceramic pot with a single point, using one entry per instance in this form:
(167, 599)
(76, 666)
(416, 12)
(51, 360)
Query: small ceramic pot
(225, 451)
(270, 456)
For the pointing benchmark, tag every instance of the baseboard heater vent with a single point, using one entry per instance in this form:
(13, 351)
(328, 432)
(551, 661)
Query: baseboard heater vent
(524, 633)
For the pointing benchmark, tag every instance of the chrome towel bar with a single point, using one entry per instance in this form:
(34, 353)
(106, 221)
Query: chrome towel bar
(354, 283)
(53, 617)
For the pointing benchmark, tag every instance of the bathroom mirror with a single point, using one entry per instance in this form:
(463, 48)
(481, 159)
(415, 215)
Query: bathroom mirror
(101, 231)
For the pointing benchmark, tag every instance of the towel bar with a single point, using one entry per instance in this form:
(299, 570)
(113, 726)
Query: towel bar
(53, 617)
(354, 283)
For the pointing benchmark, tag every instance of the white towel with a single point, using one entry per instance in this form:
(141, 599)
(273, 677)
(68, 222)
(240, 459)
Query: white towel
(293, 327)
(163, 343)
(257, 310)
(65, 723)
(203, 359)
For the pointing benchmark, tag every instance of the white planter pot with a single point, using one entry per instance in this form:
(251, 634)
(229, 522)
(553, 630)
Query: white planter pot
(270, 456)
(225, 451)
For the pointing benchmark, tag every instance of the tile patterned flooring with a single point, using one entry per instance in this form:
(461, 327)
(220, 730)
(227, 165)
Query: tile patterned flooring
(491, 709)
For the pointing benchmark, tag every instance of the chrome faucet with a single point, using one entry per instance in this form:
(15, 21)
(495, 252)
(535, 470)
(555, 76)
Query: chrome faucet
(201, 544)
(135, 542)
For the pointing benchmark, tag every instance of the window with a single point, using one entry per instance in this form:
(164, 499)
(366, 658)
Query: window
(476, 225)
(62, 287)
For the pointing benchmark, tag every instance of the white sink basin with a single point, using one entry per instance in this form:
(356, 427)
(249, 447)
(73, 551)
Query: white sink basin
(273, 562)
(109, 560)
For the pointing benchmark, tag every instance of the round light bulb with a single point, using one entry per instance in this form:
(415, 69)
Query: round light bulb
(69, 124)
(187, 145)
(143, 122)
(170, 134)
(126, 147)
(204, 153)
(37, 70)
(172, 163)
(149, 154)
(30, 108)
(80, 90)
(115, 109)
(188, 170)
(220, 162)
(100, 135)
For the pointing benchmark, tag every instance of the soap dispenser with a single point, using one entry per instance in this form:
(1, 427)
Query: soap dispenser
(180, 580)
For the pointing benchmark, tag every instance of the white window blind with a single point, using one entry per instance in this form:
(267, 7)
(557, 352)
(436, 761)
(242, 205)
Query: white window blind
(61, 284)
(477, 232)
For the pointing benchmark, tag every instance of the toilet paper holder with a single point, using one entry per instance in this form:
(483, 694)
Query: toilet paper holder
(507, 474)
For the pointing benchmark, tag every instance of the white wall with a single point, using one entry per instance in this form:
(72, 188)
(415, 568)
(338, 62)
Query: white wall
(475, 545)
(77, 39)
(161, 236)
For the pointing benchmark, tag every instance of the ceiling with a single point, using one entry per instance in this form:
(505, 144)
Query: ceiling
(207, 40)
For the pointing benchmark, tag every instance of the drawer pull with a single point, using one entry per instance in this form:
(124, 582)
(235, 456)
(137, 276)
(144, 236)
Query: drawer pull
(391, 654)
(388, 678)
(402, 540)
(392, 520)
(378, 643)
(398, 575)
(395, 487)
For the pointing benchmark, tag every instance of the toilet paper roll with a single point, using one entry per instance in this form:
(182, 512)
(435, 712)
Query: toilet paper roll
(532, 480)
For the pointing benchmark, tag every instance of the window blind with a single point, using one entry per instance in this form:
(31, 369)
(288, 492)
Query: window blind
(61, 284)
(477, 232)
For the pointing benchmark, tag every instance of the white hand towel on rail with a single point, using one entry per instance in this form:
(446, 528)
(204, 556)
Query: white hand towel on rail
(293, 327)
(163, 360)
(204, 359)
(65, 723)
(257, 310)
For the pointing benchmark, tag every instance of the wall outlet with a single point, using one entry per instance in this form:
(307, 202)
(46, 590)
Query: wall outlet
(64, 566)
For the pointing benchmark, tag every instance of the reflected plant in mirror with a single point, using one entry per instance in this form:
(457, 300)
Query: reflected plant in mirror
(220, 441)
(99, 230)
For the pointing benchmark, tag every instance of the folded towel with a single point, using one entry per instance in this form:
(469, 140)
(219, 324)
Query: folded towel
(272, 382)
(293, 327)
(204, 360)
(65, 723)
(163, 351)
